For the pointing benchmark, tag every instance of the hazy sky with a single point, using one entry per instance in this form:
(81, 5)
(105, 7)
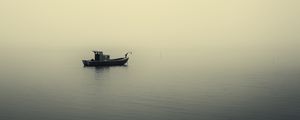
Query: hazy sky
(177, 23)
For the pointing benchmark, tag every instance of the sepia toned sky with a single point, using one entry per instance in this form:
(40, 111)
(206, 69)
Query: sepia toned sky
(162, 23)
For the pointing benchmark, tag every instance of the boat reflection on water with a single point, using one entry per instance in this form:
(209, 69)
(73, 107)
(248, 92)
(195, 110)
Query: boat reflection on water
(105, 72)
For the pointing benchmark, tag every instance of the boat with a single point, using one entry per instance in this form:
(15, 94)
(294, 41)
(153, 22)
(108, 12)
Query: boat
(104, 60)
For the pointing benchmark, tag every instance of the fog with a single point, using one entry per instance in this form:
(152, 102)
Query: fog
(196, 59)
(187, 24)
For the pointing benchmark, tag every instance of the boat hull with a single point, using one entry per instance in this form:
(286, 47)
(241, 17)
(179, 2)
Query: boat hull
(112, 62)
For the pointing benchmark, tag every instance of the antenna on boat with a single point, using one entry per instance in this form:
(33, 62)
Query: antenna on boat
(127, 54)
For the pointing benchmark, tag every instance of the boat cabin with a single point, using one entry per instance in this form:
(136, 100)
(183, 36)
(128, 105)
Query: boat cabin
(99, 56)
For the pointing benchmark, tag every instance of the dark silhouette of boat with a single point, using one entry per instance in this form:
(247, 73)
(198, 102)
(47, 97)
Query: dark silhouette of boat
(104, 60)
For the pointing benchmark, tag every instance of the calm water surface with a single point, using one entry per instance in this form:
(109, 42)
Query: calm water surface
(157, 84)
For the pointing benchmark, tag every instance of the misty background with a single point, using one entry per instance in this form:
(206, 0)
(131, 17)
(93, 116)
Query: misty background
(264, 32)
(192, 59)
